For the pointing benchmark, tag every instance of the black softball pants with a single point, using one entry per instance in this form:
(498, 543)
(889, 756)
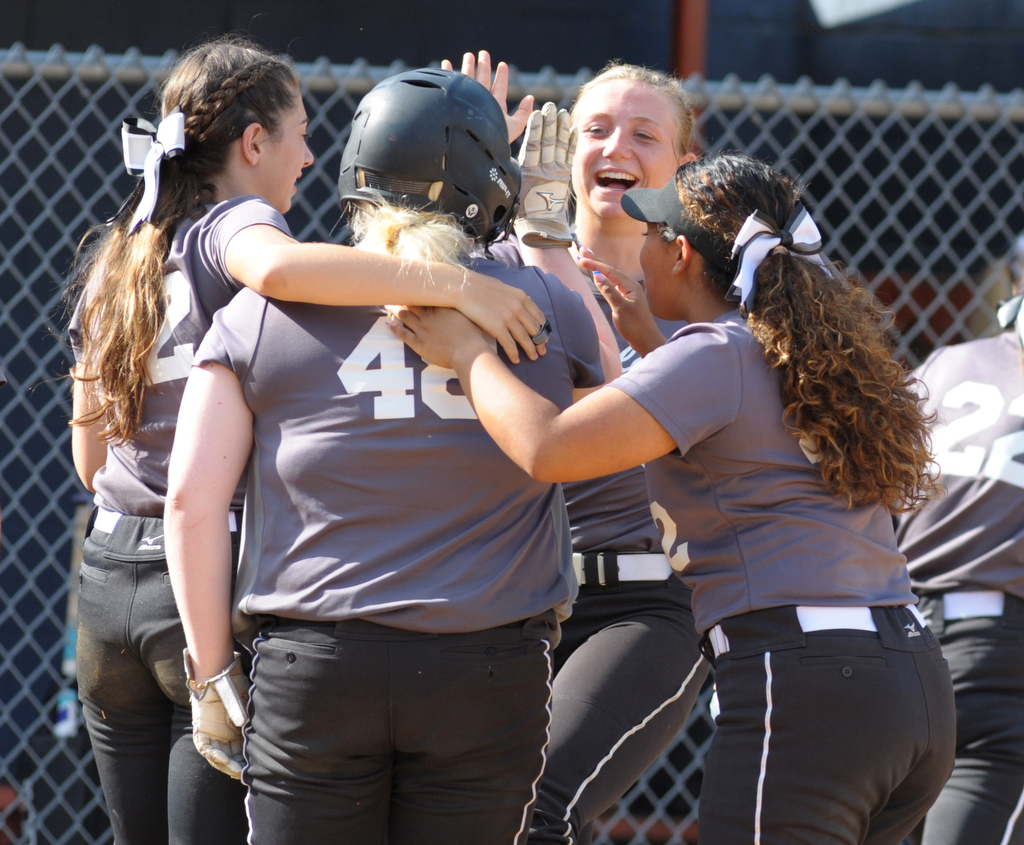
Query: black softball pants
(627, 672)
(131, 681)
(365, 734)
(826, 738)
(983, 802)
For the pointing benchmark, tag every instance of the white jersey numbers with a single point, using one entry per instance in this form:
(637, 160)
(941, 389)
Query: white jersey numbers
(955, 458)
(392, 379)
(434, 389)
(395, 382)
(179, 362)
(1002, 463)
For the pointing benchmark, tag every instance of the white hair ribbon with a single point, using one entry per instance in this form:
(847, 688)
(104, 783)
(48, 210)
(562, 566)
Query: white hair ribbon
(145, 146)
(758, 236)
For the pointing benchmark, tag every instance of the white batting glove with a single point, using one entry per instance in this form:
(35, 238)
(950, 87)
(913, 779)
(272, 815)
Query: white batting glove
(546, 161)
(218, 716)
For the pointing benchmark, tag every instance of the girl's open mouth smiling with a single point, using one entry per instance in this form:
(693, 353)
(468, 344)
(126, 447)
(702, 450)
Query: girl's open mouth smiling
(615, 179)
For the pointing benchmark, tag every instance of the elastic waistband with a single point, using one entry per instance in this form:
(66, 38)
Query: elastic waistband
(607, 569)
(107, 520)
(809, 619)
(971, 604)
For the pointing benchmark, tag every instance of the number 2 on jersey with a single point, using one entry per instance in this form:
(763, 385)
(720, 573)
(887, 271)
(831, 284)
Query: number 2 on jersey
(393, 380)
(178, 364)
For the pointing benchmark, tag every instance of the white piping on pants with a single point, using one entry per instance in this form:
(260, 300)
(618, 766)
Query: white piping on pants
(1013, 820)
(543, 751)
(611, 753)
(245, 738)
(764, 749)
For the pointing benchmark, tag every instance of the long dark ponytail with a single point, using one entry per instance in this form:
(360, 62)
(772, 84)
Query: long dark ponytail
(222, 87)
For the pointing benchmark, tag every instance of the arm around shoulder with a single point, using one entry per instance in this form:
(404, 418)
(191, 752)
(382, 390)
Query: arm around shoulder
(275, 265)
(603, 433)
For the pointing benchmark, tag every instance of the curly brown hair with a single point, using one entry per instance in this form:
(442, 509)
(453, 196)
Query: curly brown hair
(222, 86)
(845, 396)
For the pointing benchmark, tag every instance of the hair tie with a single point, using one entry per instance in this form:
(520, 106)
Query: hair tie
(145, 146)
(758, 236)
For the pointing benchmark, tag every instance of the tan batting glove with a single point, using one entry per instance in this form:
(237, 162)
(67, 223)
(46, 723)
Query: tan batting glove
(546, 162)
(218, 716)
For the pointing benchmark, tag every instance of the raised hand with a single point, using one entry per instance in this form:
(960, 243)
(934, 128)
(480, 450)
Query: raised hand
(628, 300)
(479, 68)
(546, 163)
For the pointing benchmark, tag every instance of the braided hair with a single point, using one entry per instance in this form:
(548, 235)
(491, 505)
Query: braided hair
(222, 87)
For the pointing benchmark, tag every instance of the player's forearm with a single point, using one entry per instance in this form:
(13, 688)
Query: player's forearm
(643, 337)
(199, 563)
(518, 419)
(607, 431)
(328, 274)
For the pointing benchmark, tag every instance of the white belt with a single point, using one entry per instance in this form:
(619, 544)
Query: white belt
(631, 567)
(973, 603)
(818, 619)
(106, 521)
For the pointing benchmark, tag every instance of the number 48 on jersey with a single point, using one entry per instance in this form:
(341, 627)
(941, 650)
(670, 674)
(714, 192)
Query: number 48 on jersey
(396, 382)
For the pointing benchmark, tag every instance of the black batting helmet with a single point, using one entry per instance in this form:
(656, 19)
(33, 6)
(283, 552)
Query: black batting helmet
(434, 140)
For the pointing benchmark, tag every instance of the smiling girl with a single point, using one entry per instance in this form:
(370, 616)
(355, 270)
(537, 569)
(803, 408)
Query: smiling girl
(628, 669)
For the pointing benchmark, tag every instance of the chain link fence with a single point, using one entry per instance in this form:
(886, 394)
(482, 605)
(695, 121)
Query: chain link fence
(920, 191)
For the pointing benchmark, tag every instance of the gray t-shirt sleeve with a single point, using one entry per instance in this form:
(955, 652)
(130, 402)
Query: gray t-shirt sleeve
(206, 247)
(235, 334)
(691, 385)
(574, 323)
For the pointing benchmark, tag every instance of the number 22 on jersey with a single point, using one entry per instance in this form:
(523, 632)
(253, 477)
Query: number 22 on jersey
(395, 382)
(970, 460)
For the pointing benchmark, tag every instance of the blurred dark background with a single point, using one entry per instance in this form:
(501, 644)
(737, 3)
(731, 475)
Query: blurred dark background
(931, 41)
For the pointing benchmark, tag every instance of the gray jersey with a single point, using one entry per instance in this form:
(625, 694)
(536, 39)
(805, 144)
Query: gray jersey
(745, 516)
(374, 491)
(973, 537)
(611, 512)
(134, 479)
